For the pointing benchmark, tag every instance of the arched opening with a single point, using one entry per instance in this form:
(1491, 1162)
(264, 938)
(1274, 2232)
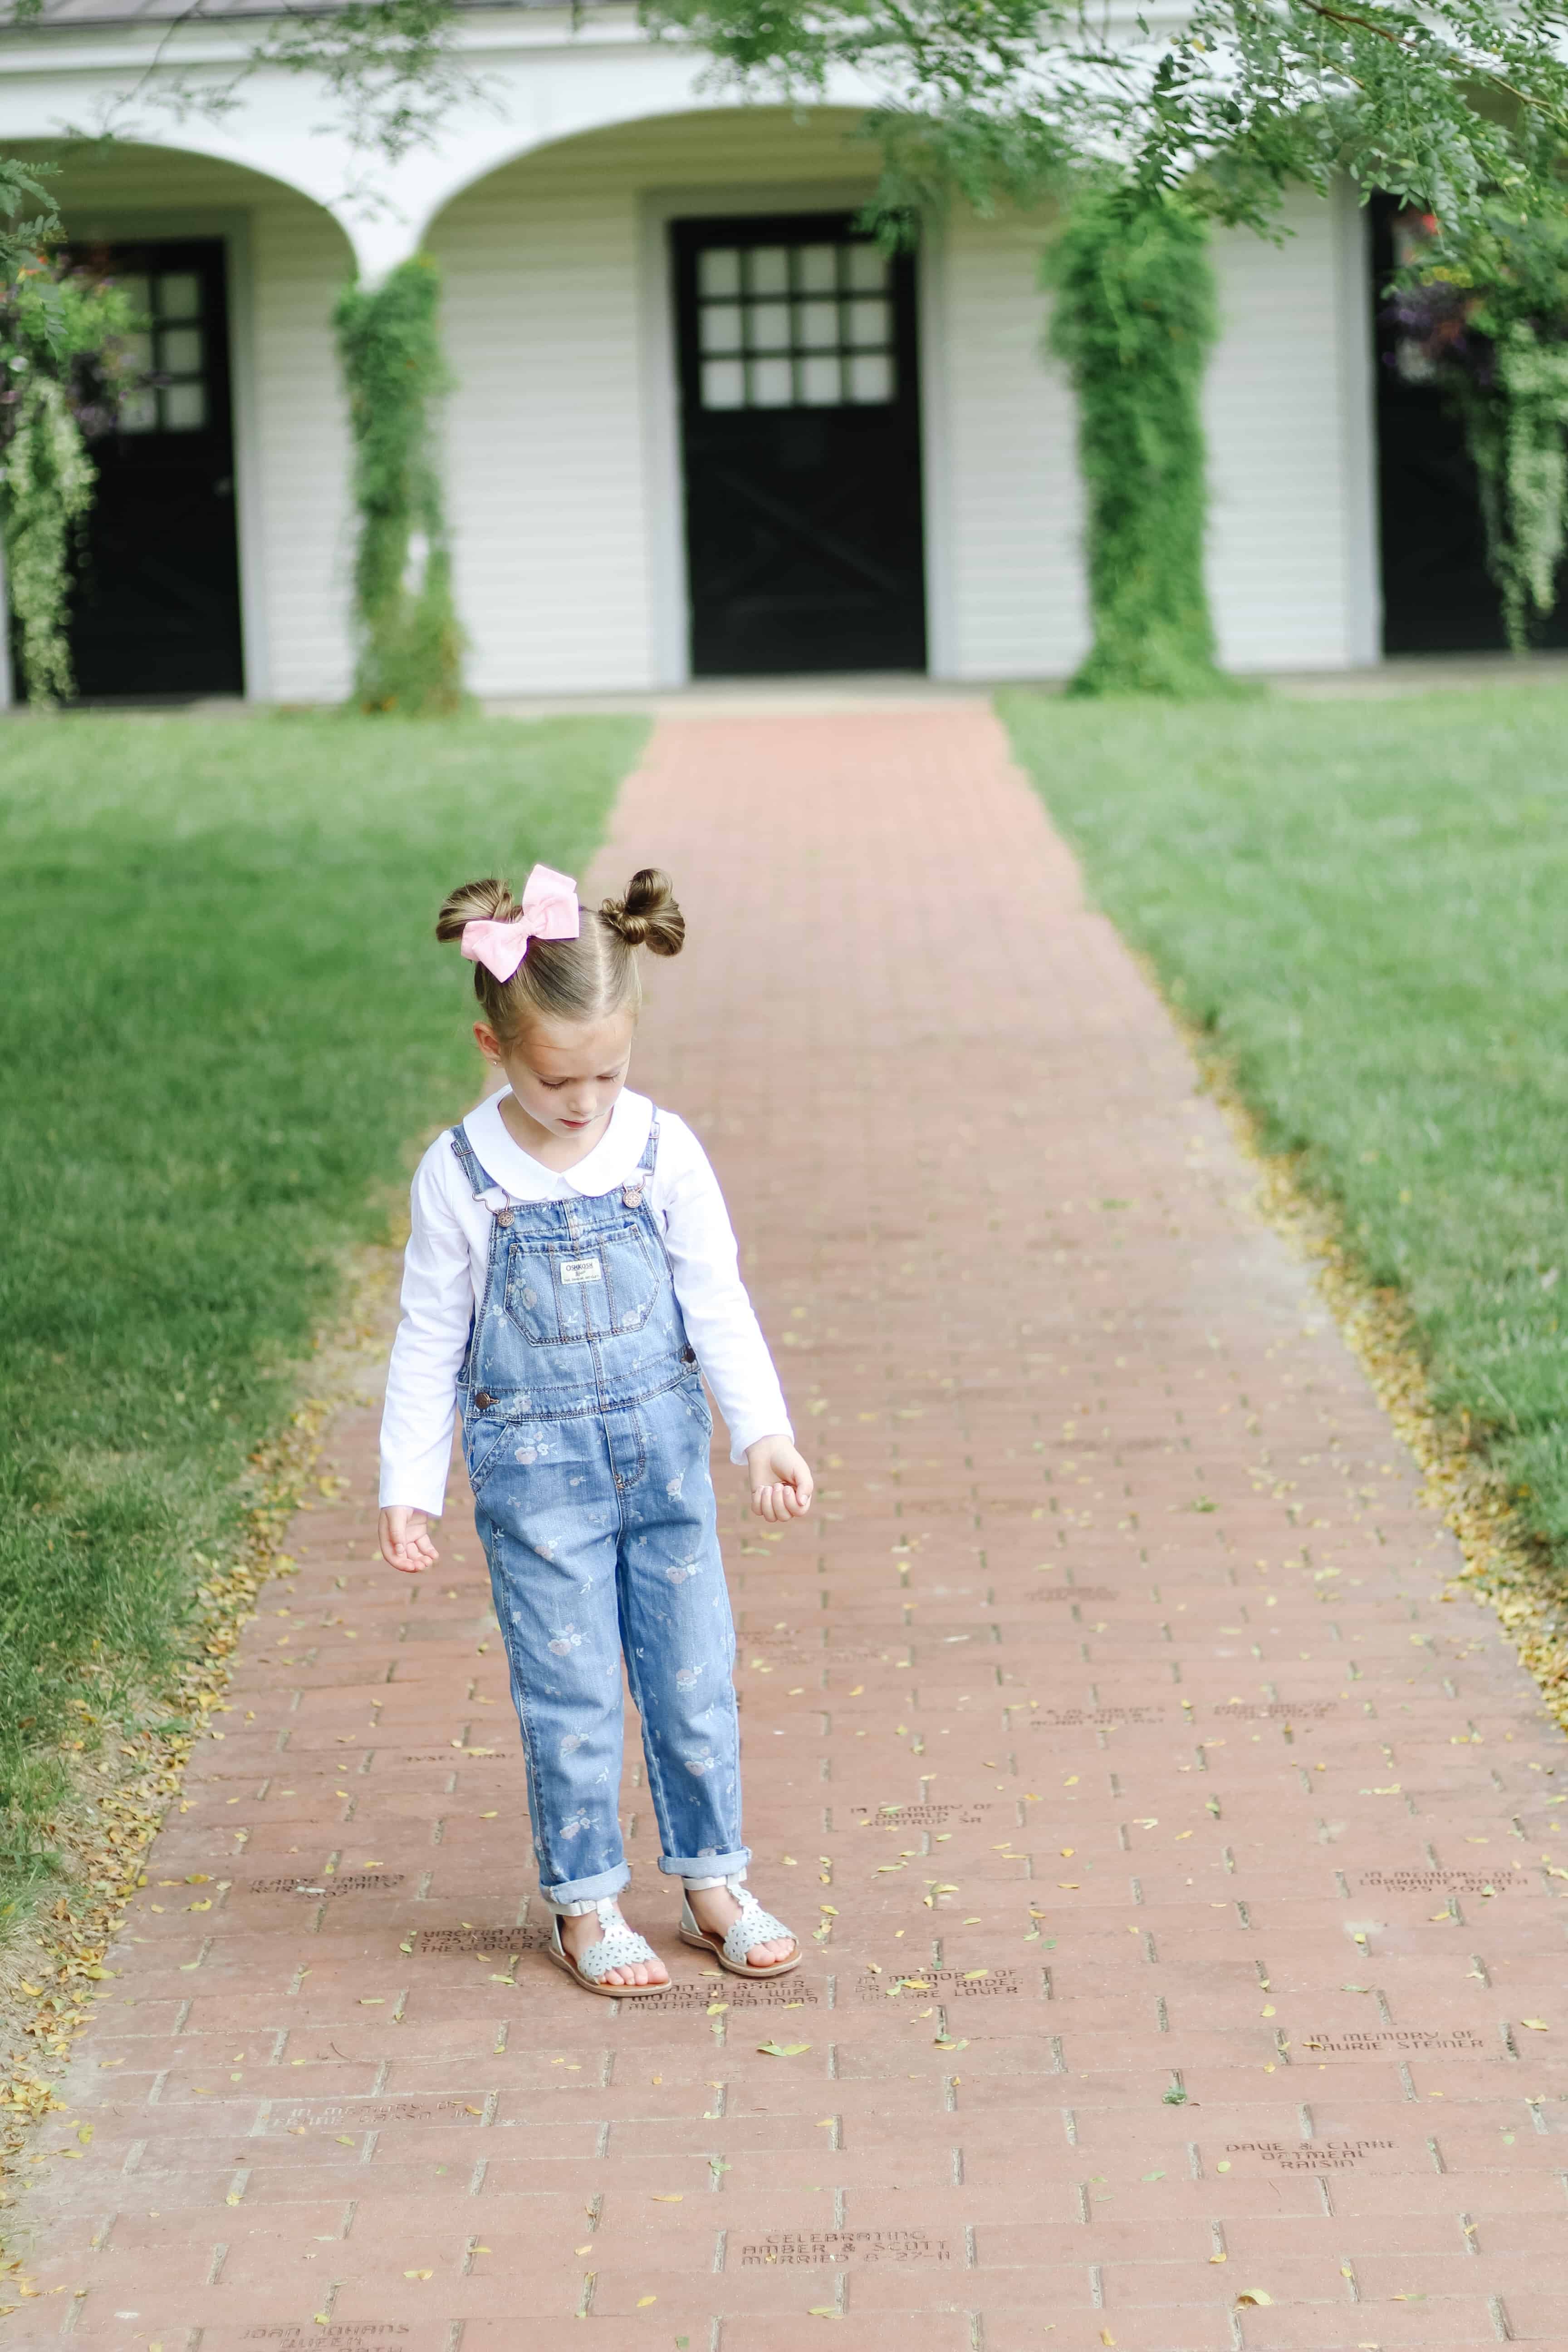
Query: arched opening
(688, 407)
(171, 600)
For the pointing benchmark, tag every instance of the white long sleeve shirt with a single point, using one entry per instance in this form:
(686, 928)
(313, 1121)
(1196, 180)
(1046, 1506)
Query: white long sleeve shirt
(445, 1266)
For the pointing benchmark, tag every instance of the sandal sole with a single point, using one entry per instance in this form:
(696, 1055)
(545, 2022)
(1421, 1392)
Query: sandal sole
(700, 1943)
(568, 1967)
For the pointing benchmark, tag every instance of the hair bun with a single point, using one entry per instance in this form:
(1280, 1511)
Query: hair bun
(647, 916)
(489, 901)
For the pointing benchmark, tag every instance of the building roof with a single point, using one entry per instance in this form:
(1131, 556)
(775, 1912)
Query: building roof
(72, 16)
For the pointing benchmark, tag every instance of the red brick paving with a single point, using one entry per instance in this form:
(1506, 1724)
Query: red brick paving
(1105, 1505)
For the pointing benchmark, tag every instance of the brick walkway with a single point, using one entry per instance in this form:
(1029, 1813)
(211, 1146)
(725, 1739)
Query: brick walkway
(1114, 2032)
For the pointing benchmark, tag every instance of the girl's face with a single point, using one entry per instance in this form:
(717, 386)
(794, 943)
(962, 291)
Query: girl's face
(564, 1074)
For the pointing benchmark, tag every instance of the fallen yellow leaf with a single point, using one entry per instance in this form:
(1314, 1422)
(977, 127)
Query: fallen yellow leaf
(644, 2300)
(419, 2274)
(1536, 2024)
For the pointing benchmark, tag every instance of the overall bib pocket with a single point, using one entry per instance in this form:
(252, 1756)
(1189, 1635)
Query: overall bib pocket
(559, 1294)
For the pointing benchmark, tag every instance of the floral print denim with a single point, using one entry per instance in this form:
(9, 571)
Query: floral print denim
(586, 1435)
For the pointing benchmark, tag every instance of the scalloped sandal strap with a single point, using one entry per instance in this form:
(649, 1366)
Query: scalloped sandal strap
(753, 1927)
(617, 1946)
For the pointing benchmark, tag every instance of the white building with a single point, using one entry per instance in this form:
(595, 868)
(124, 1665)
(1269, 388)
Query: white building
(888, 484)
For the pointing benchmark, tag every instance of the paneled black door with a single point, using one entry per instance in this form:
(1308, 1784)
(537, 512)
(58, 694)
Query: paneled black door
(156, 610)
(1438, 595)
(801, 438)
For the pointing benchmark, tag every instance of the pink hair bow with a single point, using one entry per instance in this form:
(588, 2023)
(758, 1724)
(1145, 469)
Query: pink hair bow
(550, 911)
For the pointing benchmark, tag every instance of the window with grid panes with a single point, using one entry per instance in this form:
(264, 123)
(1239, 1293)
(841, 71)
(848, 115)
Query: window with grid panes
(172, 349)
(795, 326)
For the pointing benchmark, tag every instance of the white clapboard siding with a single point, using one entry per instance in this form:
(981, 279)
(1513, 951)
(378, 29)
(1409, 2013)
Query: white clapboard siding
(300, 265)
(1009, 585)
(1286, 406)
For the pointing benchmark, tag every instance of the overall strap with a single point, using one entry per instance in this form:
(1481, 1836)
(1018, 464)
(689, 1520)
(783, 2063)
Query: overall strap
(482, 1185)
(641, 1177)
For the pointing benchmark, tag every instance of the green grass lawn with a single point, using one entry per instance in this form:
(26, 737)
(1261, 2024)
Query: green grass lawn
(1365, 902)
(224, 1020)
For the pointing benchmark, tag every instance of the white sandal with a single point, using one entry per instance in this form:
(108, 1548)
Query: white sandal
(732, 1947)
(618, 1946)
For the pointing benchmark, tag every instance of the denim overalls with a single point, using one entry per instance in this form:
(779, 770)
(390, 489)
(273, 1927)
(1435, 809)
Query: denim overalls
(586, 1433)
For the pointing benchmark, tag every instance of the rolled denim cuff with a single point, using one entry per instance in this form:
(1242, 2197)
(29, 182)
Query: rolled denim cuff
(573, 1897)
(707, 1869)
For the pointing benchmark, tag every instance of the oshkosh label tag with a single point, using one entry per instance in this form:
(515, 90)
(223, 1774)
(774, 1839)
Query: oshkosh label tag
(581, 1269)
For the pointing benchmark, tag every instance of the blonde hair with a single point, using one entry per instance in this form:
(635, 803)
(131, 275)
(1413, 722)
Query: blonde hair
(584, 978)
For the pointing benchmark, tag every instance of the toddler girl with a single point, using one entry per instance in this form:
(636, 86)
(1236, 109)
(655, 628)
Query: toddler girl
(570, 1278)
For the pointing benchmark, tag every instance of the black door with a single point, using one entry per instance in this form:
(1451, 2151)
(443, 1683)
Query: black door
(156, 609)
(800, 430)
(1438, 595)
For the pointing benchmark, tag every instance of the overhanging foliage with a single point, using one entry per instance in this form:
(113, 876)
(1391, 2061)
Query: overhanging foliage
(1009, 99)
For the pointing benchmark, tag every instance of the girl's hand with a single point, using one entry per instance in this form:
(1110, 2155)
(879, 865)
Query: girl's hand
(781, 1480)
(405, 1539)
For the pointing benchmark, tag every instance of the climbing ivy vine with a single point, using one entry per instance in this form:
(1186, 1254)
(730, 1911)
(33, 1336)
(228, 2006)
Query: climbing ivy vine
(64, 368)
(410, 646)
(1134, 319)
